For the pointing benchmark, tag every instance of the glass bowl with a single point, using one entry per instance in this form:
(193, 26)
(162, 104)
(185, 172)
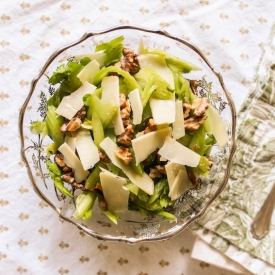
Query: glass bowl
(132, 228)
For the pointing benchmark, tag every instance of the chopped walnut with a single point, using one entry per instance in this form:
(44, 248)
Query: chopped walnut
(129, 62)
(126, 122)
(161, 169)
(125, 111)
(150, 126)
(122, 101)
(103, 157)
(194, 84)
(63, 128)
(97, 189)
(124, 154)
(98, 186)
(59, 159)
(79, 185)
(68, 178)
(186, 109)
(81, 114)
(155, 173)
(74, 124)
(126, 137)
(194, 123)
(199, 105)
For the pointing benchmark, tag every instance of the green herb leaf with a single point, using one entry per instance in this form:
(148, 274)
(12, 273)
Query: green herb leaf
(39, 128)
(53, 123)
(203, 167)
(113, 50)
(66, 75)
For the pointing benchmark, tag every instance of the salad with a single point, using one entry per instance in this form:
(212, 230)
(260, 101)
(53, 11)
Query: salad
(129, 130)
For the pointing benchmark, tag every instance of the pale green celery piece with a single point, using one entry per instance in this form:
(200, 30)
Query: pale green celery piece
(114, 217)
(129, 80)
(197, 143)
(39, 128)
(53, 168)
(132, 187)
(53, 123)
(203, 167)
(88, 214)
(165, 200)
(163, 89)
(142, 196)
(206, 125)
(51, 149)
(177, 83)
(180, 65)
(87, 97)
(98, 92)
(209, 142)
(109, 132)
(138, 168)
(87, 124)
(185, 93)
(165, 214)
(98, 131)
(105, 110)
(84, 204)
(113, 169)
(60, 186)
(158, 190)
(185, 140)
(93, 178)
(123, 87)
(148, 91)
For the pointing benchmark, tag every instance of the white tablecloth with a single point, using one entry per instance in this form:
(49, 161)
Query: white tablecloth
(32, 239)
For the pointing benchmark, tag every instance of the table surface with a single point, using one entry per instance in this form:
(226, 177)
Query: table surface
(32, 238)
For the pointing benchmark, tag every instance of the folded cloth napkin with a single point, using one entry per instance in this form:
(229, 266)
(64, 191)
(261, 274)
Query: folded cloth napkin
(226, 225)
(202, 249)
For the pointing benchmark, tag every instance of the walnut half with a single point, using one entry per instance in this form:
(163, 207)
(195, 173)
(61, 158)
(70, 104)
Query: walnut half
(199, 105)
(124, 154)
(194, 123)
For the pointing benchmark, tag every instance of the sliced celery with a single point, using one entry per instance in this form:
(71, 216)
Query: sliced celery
(180, 65)
(84, 205)
(105, 110)
(53, 123)
(185, 140)
(112, 216)
(158, 190)
(93, 178)
(129, 80)
(162, 90)
(197, 143)
(109, 132)
(98, 131)
(138, 168)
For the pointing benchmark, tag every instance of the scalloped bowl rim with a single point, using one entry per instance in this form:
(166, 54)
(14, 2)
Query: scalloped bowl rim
(88, 231)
